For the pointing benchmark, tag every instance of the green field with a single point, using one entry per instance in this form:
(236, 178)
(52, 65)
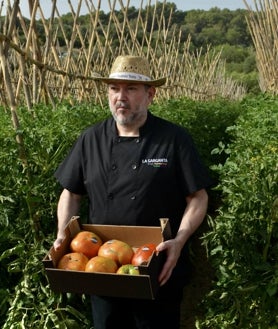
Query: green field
(237, 141)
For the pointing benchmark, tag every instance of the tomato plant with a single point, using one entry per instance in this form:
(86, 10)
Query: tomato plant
(28, 201)
(242, 242)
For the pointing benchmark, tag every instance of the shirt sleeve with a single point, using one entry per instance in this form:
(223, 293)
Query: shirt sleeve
(70, 172)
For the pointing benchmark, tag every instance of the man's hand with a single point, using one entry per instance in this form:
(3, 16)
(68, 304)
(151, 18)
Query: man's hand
(195, 211)
(58, 242)
(173, 250)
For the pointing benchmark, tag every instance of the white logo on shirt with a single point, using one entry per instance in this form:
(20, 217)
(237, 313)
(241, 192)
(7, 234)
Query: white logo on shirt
(156, 162)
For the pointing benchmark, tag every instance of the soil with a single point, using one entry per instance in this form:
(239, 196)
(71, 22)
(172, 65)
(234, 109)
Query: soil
(199, 285)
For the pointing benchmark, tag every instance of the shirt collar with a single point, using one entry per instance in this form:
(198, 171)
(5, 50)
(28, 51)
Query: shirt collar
(147, 126)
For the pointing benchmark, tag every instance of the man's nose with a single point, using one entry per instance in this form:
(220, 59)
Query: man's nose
(122, 94)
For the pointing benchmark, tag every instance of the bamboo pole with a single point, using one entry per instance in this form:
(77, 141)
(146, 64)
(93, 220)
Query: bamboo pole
(43, 87)
(23, 79)
(65, 83)
(262, 23)
(9, 88)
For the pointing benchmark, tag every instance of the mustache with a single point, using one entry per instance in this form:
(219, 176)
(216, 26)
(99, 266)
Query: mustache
(122, 105)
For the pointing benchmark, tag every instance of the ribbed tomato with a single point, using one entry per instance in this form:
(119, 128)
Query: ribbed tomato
(143, 254)
(119, 251)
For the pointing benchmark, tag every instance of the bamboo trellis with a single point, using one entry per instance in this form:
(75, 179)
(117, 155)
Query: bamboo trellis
(34, 72)
(263, 24)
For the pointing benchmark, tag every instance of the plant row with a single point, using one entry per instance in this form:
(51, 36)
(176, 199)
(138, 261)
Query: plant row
(243, 235)
(243, 238)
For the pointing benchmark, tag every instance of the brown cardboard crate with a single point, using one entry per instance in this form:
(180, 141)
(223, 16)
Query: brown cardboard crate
(143, 286)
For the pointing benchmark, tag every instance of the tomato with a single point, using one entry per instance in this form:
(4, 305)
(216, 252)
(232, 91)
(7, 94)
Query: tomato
(101, 264)
(118, 250)
(74, 261)
(87, 243)
(143, 254)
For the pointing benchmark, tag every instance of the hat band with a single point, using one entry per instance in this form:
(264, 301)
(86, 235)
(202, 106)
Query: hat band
(129, 76)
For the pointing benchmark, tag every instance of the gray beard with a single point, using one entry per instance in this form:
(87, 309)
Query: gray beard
(123, 121)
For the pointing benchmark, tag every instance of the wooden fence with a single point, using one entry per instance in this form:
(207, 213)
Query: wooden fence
(263, 24)
(36, 68)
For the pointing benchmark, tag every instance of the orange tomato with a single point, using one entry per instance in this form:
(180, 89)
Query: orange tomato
(74, 261)
(101, 264)
(87, 243)
(118, 250)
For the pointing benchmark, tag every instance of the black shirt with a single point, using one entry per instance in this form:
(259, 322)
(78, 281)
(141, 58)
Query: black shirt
(134, 180)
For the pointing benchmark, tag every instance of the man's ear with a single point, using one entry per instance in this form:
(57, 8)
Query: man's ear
(151, 93)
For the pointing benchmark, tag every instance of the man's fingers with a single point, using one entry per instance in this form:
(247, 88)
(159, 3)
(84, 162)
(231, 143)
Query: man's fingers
(57, 243)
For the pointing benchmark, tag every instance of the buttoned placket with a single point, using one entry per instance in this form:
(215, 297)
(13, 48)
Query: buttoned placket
(115, 171)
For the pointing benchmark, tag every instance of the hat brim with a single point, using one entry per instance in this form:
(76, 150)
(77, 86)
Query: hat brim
(155, 83)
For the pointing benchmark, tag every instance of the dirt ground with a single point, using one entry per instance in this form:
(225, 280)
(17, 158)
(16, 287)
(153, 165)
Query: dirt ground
(199, 285)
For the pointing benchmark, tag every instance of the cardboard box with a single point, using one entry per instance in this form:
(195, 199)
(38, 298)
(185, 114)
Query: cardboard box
(143, 286)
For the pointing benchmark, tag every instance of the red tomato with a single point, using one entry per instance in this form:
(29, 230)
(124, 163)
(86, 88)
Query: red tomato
(143, 254)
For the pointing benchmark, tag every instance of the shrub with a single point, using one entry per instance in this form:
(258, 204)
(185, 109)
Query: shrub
(207, 123)
(29, 195)
(28, 201)
(242, 241)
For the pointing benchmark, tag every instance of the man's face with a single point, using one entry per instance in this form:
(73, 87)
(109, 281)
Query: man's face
(129, 102)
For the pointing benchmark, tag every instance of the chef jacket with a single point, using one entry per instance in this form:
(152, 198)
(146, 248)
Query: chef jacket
(134, 180)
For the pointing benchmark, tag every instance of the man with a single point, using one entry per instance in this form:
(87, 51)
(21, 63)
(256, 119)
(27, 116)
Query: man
(136, 168)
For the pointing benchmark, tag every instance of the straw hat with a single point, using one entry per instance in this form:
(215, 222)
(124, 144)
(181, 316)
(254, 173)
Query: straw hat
(132, 69)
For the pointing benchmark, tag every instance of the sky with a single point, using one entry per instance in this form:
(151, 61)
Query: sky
(183, 5)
